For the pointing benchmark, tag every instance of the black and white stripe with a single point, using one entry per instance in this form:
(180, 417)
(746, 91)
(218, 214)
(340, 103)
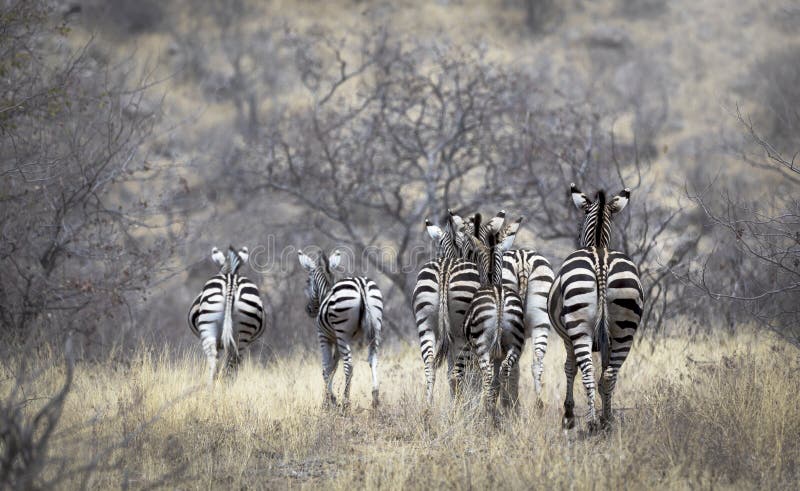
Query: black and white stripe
(595, 304)
(345, 311)
(442, 294)
(228, 314)
(493, 325)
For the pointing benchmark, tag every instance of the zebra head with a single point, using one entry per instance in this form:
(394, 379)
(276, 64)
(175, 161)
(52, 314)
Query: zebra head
(596, 228)
(233, 262)
(320, 277)
(446, 240)
(235, 259)
(462, 230)
(489, 243)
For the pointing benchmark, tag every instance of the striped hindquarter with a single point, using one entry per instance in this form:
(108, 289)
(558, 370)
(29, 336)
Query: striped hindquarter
(351, 310)
(206, 317)
(494, 328)
(531, 276)
(576, 305)
(441, 297)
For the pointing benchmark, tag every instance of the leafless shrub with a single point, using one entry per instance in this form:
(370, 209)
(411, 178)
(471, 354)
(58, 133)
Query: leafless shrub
(232, 61)
(25, 435)
(77, 210)
(774, 88)
(755, 264)
(394, 134)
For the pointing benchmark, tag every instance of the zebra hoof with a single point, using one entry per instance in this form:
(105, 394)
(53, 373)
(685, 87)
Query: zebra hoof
(593, 427)
(375, 398)
(494, 418)
(539, 405)
(329, 402)
(568, 422)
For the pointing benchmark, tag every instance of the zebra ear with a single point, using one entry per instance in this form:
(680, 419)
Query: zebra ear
(335, 259)
(434, 231)
(496, 223)
(619, 201)
(305, 261)
(581, 201)
(509, 234)
(469, 225)
(218, 257)
(244, 254)
(456, 221)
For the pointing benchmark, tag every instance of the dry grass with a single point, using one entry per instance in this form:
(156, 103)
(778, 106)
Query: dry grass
(693, 415)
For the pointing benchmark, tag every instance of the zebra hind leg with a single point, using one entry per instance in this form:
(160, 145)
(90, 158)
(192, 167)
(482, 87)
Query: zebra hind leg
(330, 359)
(587, 377)
(210, 350)
(607, 383)
(232, 364)
(568, 421)
(489, 386)
(509, 371)
(430, 377)
(537, 369)
(458, 371)
(347, 357)
(373, 364)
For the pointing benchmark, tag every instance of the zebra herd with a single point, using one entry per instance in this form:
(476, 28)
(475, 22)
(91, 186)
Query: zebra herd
(475, 304)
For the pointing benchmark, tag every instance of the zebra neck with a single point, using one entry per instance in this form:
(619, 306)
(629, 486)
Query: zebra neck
(490, 266)
(597, 233)
(320, 286)
(598, 224)
(323, 289)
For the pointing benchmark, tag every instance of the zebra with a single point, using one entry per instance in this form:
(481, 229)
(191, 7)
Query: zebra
(443, 291)
(228, 314)
(595, 304)
(530, 275)
(494, 322)
(344, 310)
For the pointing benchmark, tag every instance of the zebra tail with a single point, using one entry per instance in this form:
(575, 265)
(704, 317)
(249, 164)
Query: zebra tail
(228, 339)
(601, 328)
(372, 334)
(444, 335)
(497, 348)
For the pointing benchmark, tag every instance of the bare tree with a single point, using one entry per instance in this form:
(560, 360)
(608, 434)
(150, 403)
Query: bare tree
(80, 228)
(396, 131)
(755, 264)
(252, 57)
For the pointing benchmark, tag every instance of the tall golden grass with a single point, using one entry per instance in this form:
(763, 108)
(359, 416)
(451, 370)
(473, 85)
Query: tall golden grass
(710, 413)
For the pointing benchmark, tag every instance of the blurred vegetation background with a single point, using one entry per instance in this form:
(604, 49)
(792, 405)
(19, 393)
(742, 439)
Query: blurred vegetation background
(137, 135)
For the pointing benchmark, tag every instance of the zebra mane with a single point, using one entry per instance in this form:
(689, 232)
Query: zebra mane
(320, 280)
(477, 225)
(322, 261)
(489, 242)
(234, 261)
(601, 218)
(596, 228)
(449, 243)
